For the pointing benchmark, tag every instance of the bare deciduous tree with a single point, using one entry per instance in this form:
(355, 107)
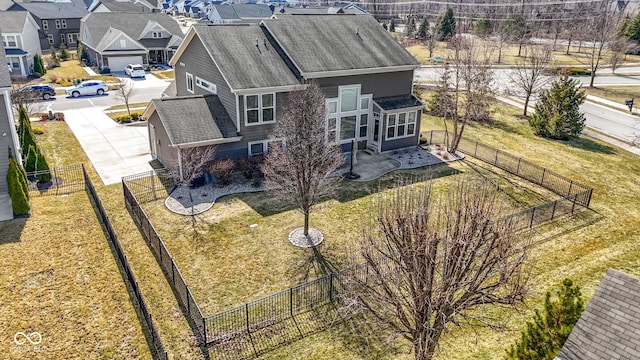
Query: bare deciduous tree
(599, 32)
(30, 100)
(124, 92)
(190, 166)
(433, 262)
(301, 171)
(472, 77)
(528, 74)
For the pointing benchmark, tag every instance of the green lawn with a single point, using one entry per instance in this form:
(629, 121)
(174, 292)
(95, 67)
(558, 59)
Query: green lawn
(62, 149)
(581, 247)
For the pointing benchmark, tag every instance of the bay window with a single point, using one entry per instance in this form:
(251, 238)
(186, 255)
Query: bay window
(401, 125)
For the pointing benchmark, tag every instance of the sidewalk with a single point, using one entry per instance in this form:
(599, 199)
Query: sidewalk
(89, 71)
(6, 211)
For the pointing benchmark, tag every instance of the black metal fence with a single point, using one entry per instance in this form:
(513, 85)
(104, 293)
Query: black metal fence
(567, 188)
(64, 180)
(172, 273)
(248, 330)
(121, 258)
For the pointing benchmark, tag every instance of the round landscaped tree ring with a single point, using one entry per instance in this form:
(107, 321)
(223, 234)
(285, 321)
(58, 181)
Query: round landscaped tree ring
(297, 238)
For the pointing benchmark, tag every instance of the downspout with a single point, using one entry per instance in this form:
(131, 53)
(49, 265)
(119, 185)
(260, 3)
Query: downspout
(180, 163)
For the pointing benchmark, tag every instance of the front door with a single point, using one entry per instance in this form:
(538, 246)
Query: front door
(374, 132)
(152, 141)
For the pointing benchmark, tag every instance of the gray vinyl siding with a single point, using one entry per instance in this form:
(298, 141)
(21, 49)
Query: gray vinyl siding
(403, 142)
(380, 85)
(198, 63)
(167, 155)
(73, 27)
(5, 145)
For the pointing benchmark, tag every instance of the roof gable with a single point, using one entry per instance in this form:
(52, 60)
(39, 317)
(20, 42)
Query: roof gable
(112, 41)
(97, 25)
(332, 43)
(5, 77)
(609, 327)
(14, 22)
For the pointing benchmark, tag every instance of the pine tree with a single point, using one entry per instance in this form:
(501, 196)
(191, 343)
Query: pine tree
(557, 113)
(441, 103)
(411, 26)
(42, 165)
(423, 29)
(633, 29)
(15, 181)
(64, 52)
(37, 65)
(482, 28)
(27, 140)
(545, 335)
(447, 26)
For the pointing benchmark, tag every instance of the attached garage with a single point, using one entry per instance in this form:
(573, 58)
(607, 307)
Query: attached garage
(118, 63)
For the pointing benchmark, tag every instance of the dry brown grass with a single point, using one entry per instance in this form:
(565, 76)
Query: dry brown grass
(62, 149)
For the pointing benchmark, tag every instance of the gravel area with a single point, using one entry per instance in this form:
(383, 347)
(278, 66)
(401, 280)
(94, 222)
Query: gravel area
(297, 238)
(414, 158)
(205, 196)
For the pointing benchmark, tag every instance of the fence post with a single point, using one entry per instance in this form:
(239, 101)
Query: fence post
(188, 299)
(544, 171)
(495, 162)
(204, 330)
(553, 212)
(246, 312)
(575, 197)
(475, 152)
(291, 301)
(153, 187)
(331, 287)
(570, 186)
(533, 212)
(431, 137)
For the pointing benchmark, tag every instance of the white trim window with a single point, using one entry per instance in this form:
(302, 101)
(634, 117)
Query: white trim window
(57, 23)
(401, 125)
(13, 62)
(63, 23)
(50, 38)
(259, 109)
(45, 25)
(123, 43)
(10, 41)
(63, 38)
(156, 34)
(189, 82)
(71, 38)
(262, 146)
(348, 115)
(209, 86)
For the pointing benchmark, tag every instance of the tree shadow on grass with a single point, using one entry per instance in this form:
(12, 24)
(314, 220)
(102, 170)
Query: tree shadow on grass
(585, 143)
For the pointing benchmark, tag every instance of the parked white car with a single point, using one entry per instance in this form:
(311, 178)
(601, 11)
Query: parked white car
(89, 87)
(134, 70)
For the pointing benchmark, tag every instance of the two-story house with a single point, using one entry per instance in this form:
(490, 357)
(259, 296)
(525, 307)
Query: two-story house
(20, 40)
(59, 22)
(233, 80)
(8, 138)
(113, 40)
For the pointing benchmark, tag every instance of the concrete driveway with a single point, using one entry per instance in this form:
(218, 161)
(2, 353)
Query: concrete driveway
(115, 150)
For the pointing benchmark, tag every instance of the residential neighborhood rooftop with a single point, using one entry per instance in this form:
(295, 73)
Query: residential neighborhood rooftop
(324, 43)
(54, 10)
(208, 121)
(609, 327)
(398, 102)
(5, 78)
(13, 21)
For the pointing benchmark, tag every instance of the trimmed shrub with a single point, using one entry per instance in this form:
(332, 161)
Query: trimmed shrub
(37, 131)
(30, 158)
(64, 52)
(19, 198)
(249, 166)
(42, 165)
(105, 70)
(222, 169)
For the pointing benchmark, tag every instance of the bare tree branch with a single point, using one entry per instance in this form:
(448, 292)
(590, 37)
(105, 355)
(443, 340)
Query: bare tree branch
(432, 262)
(124, 92)
(301, 171)
(528, 74)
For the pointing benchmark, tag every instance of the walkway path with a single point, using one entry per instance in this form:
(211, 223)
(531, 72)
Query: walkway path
(115, 150)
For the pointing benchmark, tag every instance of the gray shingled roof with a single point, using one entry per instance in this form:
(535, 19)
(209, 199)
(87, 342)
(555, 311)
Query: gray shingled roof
(398, 102)
(192, 119)
(240, 11)
(609, 327)
(13, 21)
(125, 6)
(57, 10)
(130, 24)
(5, 77)
(244, 65)
(319, 43)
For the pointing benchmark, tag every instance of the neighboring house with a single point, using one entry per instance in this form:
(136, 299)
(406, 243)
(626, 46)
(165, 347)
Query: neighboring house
(243, 74)
(133, 6)
(59, 22)
(20, 40)
(8, 135)
(239, 13)
(113, 40)
(609, 327)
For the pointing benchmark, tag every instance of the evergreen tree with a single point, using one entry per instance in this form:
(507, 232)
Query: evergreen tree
(624, 26)
(482, 28)
(545, 335)
(411, 26)
(16, 182)
(38, 68)
(441, 103)
(30, 158)
(64, 52)
(27, 140)
(633, 29)
(447, 26)
(423, 29)
(42, 165)
(392, 26)
(558, 114)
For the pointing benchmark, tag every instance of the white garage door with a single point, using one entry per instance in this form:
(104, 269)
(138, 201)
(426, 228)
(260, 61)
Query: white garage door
(120, 62)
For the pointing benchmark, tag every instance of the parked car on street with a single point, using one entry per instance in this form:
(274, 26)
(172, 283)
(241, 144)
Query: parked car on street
(89, 87)
(33, 92)
(134, 70)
